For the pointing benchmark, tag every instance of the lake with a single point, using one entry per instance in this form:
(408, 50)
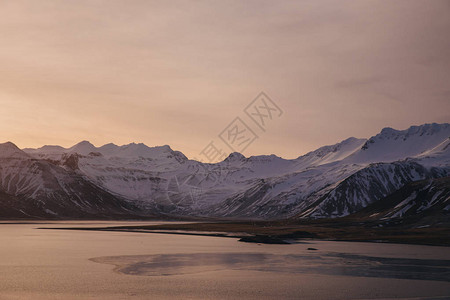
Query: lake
(59, 264)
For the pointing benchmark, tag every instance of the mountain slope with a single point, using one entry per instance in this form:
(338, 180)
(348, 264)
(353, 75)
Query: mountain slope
(33, 188)
(368, 186)
(420, 203)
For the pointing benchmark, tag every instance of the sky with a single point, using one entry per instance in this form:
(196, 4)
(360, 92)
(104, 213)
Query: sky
(181, 72)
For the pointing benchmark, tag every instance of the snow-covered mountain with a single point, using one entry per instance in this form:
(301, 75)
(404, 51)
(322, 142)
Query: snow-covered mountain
(38, 188)
(391, 145)
(331, 181)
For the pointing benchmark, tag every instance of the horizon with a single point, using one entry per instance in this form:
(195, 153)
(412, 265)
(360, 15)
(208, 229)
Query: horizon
(194, 158)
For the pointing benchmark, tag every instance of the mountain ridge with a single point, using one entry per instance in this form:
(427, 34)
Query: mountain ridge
(331, 181)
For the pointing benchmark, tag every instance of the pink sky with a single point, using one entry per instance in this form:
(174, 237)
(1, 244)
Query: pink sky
(178, 72)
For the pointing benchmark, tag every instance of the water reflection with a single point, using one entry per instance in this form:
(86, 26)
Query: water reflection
(324, 263)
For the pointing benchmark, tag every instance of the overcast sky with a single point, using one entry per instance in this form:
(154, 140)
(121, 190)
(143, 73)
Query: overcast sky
(178, 72)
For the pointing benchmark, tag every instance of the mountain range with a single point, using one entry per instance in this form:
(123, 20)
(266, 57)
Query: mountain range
(394, 174)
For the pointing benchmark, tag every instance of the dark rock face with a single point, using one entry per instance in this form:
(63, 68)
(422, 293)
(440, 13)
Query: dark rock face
(370, 185)
(51, 192)
(419, 203)
(71, 161)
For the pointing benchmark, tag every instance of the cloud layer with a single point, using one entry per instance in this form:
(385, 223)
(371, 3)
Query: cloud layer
(177, 72)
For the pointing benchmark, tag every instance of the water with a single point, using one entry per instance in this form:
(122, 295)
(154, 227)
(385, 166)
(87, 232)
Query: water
(56, 264)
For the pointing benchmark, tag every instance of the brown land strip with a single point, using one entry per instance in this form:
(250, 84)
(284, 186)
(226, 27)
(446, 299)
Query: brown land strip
(283, 231)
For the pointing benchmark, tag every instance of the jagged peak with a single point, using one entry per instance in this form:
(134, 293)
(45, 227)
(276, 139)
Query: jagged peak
(164, 148)
(429, 129)
(134, 145)
(180, 156)
(144, 147)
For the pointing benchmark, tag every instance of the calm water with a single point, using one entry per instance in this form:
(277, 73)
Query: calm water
(55, 264)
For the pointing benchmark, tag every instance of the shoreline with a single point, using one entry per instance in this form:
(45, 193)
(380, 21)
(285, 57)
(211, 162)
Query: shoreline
(282, 232)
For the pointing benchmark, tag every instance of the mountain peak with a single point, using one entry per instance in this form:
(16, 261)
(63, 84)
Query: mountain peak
(388, 130)
(425, 129)
(9, 149)
(164, 148)
(235, 156)
(391, 144)
(331, 153)
(84, 143)
(109, 145)
(83, 148)
(9, 144)
(388, 133)
(52, 148)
